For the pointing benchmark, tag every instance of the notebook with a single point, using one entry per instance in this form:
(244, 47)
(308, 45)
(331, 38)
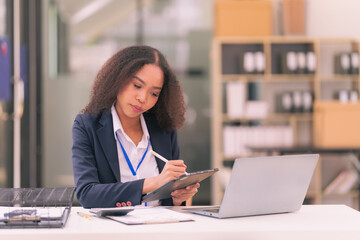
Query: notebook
(264, 185)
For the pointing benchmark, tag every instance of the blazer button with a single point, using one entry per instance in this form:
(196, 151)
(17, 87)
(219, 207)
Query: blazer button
(123, 204)
(118, 204)
(128, 203)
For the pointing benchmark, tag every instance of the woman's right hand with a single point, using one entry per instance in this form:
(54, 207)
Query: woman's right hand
(172, 170)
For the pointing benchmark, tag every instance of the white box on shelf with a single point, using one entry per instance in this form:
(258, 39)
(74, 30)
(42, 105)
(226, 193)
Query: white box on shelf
(229, 141)
(235, 99)
(256, 109)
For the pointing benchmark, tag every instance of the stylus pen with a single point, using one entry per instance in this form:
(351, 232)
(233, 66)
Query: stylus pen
(84, 215)
(161, 157)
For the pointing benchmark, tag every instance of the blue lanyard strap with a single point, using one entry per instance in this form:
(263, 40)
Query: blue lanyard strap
(127, 158)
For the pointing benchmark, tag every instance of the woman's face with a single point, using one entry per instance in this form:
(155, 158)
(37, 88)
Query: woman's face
(141, 93)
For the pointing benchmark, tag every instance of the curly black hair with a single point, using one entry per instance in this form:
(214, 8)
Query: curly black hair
(117, 72)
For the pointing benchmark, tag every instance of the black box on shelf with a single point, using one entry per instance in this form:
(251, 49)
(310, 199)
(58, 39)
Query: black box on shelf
(342, 63)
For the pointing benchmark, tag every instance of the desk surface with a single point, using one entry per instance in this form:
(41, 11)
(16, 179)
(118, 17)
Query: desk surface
(311, 222)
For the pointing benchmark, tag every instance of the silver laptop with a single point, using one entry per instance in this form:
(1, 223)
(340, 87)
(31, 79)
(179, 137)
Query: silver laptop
(264, 185)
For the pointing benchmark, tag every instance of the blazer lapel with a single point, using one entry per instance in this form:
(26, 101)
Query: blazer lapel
(107, 140)
(156, 139)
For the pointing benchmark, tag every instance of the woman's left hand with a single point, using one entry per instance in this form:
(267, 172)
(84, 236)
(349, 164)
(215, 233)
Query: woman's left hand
(184, 194)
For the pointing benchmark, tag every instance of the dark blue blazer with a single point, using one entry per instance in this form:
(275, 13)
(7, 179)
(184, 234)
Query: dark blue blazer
(96, 165)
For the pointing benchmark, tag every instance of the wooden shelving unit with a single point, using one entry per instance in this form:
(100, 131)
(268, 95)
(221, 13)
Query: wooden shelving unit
(226, 50)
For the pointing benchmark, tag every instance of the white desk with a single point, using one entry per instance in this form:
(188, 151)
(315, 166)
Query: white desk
(311, 222)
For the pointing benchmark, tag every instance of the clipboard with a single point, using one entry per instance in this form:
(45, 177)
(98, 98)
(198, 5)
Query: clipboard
(183, 181)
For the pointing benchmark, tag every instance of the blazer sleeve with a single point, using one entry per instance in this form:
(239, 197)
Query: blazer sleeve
(96, 185)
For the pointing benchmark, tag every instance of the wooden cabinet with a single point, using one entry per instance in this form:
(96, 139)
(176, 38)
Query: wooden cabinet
(269, 85)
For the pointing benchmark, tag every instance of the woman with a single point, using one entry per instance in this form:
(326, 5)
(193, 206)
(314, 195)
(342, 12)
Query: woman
(136, 105)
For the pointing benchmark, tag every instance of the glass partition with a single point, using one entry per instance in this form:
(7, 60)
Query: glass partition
(82, 35)
(6, 96)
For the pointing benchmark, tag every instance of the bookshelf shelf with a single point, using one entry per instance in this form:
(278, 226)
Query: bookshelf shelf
(292, 77)
(272, 117)
(294, 116)
(243, 77)
(286, 78)
(321, 81)
(338, 77)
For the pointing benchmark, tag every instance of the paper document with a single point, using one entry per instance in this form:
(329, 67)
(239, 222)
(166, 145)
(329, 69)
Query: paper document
(151, 215)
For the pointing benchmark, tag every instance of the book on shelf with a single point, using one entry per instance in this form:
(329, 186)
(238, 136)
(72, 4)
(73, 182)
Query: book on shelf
(343, 182)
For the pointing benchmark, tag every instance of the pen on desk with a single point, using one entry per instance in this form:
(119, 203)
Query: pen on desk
(161, 157)
(84, 215)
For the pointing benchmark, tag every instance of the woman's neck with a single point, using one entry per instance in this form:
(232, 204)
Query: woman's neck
(131, 124)
(132, 128)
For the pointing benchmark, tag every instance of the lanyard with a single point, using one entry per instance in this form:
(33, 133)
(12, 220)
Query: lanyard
(127, 158)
